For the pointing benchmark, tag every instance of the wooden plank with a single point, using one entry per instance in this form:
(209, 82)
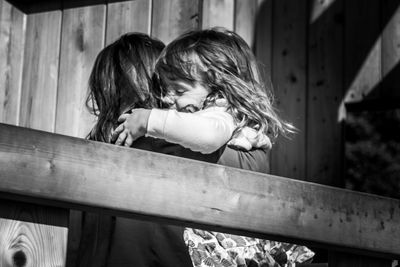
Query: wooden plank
(218, 13)
(29, 6)
(263, 41)
(288, 157)
(362, 49)
(245, 20)
(390, 50)
(40, 72)
(133, 16)
(38, 98)
(339, 259)
(171, 18)
(362, 78)
(325, 90)
(83, 32)
(12, 38)
(32, 235)
(126, 181)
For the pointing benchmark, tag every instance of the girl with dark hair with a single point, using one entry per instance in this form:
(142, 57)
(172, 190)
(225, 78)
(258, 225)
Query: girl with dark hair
(121, 80)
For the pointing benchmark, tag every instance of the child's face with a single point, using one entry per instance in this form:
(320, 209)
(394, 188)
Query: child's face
(184, 96)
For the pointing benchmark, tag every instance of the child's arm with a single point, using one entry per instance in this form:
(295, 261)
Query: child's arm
(204, 131)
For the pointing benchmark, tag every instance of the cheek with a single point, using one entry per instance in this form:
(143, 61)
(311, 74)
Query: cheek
(182, 102)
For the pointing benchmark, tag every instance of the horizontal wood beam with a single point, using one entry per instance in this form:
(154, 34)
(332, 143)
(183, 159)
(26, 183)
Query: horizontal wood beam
(36, 6)
(128, 182)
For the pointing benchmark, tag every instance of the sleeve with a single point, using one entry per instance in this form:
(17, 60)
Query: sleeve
(204, 131)
(254, 160)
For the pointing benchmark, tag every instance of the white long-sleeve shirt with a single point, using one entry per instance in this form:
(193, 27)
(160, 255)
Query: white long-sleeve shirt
(204, 131)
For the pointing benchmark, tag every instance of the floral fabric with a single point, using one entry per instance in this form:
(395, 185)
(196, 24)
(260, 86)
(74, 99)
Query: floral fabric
(213, 249)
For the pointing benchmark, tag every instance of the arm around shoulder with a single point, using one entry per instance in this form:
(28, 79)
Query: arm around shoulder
(204, 131)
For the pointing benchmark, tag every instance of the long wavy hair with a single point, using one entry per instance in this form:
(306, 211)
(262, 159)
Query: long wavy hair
(222, 61)
(121, 79)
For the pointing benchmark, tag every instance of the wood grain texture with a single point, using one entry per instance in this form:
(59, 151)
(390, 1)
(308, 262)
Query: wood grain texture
(288, 157)
(338, 259)
(362, 49)
(40, 72)
(245, 19)
(74, 236)
(171, 18)
(325, 90)
(12, 38)
(262, 45)
(83, 32)
(30, 237)
(263, 41)
(218, 13)
(133, 16)
(74, 171)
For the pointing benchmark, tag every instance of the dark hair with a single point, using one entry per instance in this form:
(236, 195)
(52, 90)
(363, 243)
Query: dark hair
(121, 79)
(221, 60)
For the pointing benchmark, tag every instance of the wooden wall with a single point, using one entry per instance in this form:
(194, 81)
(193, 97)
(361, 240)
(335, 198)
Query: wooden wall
(318, 55)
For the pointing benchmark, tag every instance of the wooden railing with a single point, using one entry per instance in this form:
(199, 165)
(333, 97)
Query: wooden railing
(68, 172)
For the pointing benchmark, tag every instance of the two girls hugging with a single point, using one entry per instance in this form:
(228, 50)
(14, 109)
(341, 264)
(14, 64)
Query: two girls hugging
(200, 97)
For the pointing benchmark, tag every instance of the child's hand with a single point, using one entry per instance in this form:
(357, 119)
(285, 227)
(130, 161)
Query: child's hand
(132, 127)
(248, 138)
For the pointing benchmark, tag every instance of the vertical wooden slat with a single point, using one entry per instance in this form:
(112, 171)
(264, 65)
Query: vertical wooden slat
(390, 49)
(245, 19)
(40, 72)
(263, 42)
(171, 18)
(12, 38)
(82, 39)
(288, 157)
(133, 16)
(83, 31)
(362, 49)
(362, 77)
(324, 131)
(263, 39)
(37, 110)
(218, 13)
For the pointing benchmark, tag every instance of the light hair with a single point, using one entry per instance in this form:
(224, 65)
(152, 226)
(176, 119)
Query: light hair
(222, 61)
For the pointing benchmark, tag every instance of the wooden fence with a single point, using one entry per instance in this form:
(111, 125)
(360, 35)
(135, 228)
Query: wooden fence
(320, 55)
(75, 173)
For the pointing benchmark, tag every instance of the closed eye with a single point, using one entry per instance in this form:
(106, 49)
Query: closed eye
(180, 92)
